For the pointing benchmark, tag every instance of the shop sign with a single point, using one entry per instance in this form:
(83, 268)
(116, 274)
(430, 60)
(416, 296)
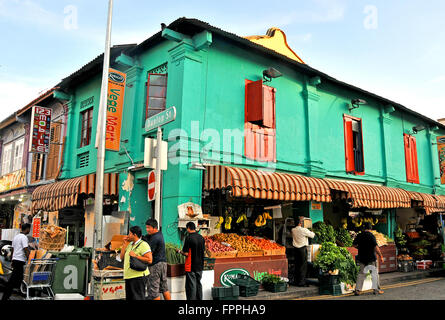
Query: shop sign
(441, 150)
(115, 106)
(36, 222)
(226, 278)
(316, 205)
(41, 130)
(14, 180)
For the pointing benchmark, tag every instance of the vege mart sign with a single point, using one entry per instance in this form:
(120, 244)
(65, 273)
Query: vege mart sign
(226, 278)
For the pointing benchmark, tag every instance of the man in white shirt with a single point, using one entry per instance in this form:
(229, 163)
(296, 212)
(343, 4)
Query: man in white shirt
(20, 254)
(300, 241)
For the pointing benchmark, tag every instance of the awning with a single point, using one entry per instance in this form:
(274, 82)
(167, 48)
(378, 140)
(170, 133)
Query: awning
(61, 194)
(260, 184)
(431, 203)
(372, 196)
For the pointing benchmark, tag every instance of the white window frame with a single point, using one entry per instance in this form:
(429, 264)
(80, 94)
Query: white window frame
(18, 155)
(6, 158)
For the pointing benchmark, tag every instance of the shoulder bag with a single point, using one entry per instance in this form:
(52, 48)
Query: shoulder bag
(136, 264)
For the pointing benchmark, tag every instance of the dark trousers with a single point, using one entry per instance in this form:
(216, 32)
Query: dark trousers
(135, 288)
(193, 287)
(300, 255)
(16, 278)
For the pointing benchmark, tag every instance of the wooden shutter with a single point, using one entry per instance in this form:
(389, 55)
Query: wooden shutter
(268, 107)
(52, 164)
(412, 170)
(34, 167)
(254, 101)
(349, 145)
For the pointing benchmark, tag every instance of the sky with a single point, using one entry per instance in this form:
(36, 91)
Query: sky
(391, 48)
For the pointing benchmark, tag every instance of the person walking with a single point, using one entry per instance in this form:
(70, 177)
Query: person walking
(193, 249)
(300, 242)
(366, 244)
(135, 281)
(20, 254)
(157, 279)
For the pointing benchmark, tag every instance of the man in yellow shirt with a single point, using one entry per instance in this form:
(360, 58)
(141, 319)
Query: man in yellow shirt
(135, 281)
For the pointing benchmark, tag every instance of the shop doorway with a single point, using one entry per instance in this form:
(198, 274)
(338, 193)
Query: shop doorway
(72, 219)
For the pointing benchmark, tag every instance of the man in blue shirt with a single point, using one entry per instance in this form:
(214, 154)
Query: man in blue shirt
(157, 280)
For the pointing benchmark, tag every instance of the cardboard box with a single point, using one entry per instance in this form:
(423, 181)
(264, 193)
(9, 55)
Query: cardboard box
(117, 241)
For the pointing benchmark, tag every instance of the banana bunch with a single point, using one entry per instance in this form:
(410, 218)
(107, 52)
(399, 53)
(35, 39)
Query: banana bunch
(219, 223)
(344, 223)
(358, 221)
(241, 218)
(261, 220)
(228, 223)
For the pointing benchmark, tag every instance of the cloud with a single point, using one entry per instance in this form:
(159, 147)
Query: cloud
(437, 79)
(26, 11)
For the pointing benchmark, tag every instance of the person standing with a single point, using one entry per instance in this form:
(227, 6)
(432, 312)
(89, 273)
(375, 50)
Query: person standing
(193, 249)
(20, 254)
(157, 279)
(366, 244)
(135, 281)
(300, 242)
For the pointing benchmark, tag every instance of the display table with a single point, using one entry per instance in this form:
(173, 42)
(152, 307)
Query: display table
(227, 268)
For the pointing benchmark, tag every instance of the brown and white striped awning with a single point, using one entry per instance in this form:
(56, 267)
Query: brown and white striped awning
(431, 203)
(372, 196)
(260, 184)
(61, 194)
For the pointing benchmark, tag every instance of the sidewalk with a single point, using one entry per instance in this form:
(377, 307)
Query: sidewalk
(294, 292)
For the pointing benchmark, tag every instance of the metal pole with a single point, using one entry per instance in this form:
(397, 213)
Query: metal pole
(100, 137)
(158, 177)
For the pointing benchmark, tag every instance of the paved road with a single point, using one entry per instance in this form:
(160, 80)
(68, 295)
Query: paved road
(423, 289)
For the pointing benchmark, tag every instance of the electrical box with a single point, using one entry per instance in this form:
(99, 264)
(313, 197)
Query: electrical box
(150, 153)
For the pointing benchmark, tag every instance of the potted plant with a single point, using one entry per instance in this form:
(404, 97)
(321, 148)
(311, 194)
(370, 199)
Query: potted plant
(175, 261)
(274, 283)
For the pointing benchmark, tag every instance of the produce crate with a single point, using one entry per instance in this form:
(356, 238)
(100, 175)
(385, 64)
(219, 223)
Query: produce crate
(406, 266)
(223, 254)
(175, 270)
(209, 263)
(225, 293)
(248, 286)
(275, 287)
(268, 252)
(279, 252)
(328, 280)
(334, 290)
(256, 253)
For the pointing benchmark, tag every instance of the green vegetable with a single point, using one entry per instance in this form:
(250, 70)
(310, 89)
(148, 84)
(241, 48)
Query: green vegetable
(271, 279)
(342, 235)
(171, 255)
(323, 232)
(332, 257)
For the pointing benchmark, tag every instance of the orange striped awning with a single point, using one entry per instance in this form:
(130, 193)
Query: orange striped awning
(431, 203)
(260, 184)
(61, 194)
(372, 196)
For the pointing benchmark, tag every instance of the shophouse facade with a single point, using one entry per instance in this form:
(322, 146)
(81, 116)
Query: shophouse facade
(314, 134)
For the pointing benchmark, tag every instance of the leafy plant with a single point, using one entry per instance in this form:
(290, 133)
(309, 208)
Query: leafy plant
(171, 255)
(342, 235)
(323, 232)
(271, 279)
(332, 257)
(399, 238)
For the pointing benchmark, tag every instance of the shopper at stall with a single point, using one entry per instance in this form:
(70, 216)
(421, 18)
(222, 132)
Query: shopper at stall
(193, 249)
(300, 242)
(366, 244)
(20, 254)
(135, 281)
(157, 279)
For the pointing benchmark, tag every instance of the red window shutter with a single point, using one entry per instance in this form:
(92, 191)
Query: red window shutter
(269, 146)
(249, 141)
(254, 100)
(349, 146)
(415, 169)
(268, 107)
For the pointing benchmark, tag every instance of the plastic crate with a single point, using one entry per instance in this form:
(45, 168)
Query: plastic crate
(328, 280)
(275, 287)
(248, 286)
(334, 290)
(225, 293)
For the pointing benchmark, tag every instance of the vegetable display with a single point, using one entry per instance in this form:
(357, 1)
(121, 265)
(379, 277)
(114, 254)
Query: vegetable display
(323, 232)
(215, 246)
(332, 257)
(171, 255)
(264, 243)
(240, 243)
(269, 278)
(343, 237)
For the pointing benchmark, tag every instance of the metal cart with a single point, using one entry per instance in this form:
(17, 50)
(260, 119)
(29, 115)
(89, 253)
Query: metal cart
(39, 276)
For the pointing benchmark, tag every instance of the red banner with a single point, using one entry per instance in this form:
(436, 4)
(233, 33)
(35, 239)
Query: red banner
(41, 130)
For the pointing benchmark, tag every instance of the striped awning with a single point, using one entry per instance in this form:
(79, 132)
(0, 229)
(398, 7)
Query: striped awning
(431, 203)
(372, 196)
(260, 184)
(61, 194)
